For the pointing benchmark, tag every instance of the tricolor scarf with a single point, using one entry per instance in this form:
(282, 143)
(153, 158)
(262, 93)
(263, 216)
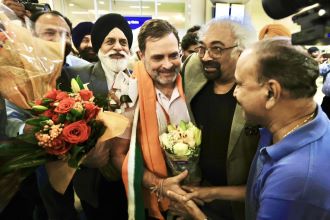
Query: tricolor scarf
(145, 145)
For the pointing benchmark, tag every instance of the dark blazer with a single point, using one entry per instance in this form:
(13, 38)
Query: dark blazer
(95, 76)
(89, 183)
(241, 146)
(92, 74)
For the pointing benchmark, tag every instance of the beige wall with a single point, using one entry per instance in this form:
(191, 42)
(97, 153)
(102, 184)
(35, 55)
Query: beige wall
(259, 18)
(169, 9)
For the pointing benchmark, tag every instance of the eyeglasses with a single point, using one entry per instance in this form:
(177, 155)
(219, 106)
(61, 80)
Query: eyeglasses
(214, 51)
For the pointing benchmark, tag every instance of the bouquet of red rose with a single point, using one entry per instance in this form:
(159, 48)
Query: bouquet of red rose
(67, 126)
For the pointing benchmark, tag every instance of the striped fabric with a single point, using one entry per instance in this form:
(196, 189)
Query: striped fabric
(133, 174)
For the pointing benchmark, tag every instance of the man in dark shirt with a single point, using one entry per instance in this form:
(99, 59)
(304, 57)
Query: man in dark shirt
(227, 149)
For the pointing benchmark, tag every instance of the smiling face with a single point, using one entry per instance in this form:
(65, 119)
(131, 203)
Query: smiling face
(220, 68)
(162, 60)
(250, 94)
(114, 51)
(115, 43)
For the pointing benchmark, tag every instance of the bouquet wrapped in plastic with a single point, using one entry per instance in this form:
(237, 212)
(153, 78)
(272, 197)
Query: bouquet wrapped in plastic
(29, 66)
(181, 144)
(67, 125)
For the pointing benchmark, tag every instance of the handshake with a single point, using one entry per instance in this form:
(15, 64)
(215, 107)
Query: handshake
(185, 201)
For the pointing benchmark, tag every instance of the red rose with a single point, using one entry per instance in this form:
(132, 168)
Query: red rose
(91, 111)
(51, 94)
(77, 132)
(61, 95)
(55, 118)
(48, 113)
(59, 146)
(85, 94)
(65, 105)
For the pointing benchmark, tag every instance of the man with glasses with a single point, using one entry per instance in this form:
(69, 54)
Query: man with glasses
(228, 142)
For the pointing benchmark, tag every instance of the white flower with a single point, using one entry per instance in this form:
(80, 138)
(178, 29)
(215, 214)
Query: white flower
(75, 86)
(190, 141)
(181, 149)
(86, 86)
(181, 140)
(165, 141)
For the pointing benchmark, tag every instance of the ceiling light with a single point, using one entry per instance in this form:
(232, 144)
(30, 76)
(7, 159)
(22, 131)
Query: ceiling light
(138, 7)
(101, 2)
(71, 4)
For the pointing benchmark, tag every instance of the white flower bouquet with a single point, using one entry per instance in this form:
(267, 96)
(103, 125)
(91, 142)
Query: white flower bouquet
(181, 144)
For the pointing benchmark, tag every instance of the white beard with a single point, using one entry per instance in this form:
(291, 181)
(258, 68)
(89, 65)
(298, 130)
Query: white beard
(113, 65)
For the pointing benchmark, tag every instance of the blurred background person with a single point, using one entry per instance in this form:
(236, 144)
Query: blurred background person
(189, 45)
(18, 8)
(81, 37)
(194, 29)
(324, 70)
(273, 30)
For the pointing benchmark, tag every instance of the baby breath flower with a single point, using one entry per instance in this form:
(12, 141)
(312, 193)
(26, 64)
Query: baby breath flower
(78, 106)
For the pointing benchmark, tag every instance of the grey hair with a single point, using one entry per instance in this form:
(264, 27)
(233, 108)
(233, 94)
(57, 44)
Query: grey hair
(243, 31)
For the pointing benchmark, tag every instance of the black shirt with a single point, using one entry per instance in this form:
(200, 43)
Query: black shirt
(214, 114)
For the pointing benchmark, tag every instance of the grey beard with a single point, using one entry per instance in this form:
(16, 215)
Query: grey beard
(113, 65)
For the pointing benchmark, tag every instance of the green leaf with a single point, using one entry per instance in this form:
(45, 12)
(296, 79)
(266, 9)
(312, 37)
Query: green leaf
(102, 101)
(28, 138)
(61, 118)
(31, 103)
(76, 152)
(36, 121)
(33, 163)
(80, 83)
(68, 117)
(125, 99)
(75, 112)
(14, 148)
(46, 101)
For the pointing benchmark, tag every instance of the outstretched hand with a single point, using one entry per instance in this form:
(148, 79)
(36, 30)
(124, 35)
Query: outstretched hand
(205, 194)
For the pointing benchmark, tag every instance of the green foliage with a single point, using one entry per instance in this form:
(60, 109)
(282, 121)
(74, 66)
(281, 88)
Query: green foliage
(80, 83)
(102, 101)
(36, 121)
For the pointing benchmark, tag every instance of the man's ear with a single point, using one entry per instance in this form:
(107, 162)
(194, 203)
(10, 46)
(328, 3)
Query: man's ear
(273, 93)
(140, 55)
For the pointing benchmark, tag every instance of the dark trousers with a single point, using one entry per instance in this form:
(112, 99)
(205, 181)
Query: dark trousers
(111, 197)
(58, 206)
(112, 202)
(26, 204)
